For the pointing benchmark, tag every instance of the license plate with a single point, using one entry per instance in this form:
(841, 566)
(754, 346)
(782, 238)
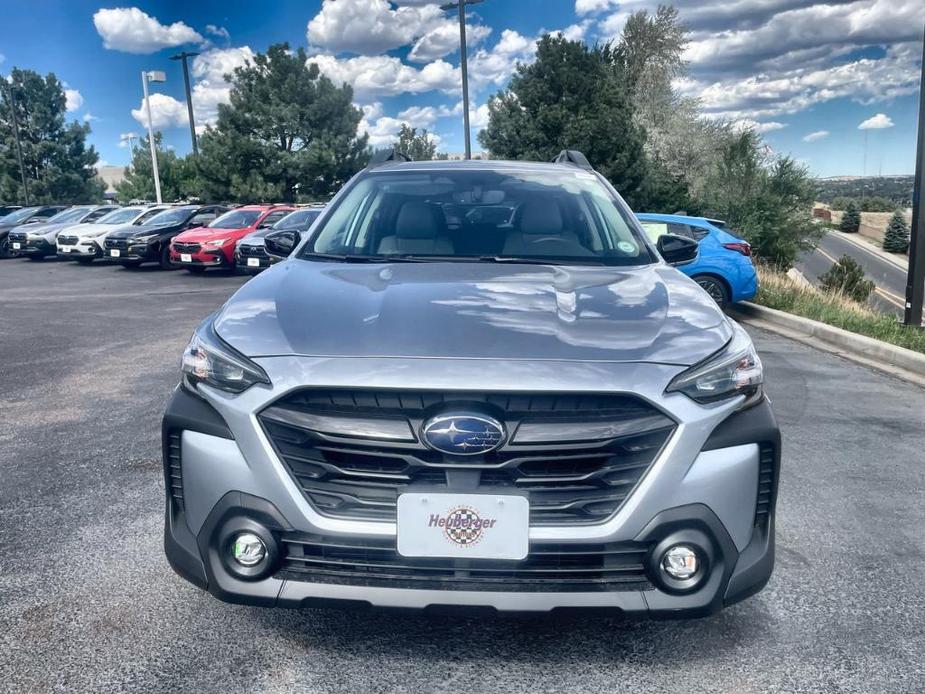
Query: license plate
(253, 262)
(186, 257)
(115, 253)
(463, 526)
(65, 249)
(16, 245)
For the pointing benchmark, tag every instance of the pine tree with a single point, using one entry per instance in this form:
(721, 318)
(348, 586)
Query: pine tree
(847, 277)
(851, 219)
(896, 239)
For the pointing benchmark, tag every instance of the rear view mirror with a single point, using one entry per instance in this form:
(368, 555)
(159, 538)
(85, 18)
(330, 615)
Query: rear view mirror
(282, 243)
(677, 250)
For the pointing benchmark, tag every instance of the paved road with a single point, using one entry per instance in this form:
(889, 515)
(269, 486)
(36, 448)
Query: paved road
(87, 601)
(890, 279)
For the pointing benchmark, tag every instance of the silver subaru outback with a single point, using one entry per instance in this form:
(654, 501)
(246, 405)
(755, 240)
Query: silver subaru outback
(474, 384)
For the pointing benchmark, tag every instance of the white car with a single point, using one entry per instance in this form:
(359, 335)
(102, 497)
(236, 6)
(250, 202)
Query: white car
(84, 242)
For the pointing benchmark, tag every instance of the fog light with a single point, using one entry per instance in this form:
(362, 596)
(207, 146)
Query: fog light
(680, 562)
(248, 549)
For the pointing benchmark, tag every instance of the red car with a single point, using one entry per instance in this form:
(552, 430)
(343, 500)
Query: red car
(213, 245)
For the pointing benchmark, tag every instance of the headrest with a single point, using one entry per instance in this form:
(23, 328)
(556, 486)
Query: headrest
(419, 220)
(541, 217)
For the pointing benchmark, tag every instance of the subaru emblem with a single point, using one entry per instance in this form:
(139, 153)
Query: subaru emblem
(463, 434)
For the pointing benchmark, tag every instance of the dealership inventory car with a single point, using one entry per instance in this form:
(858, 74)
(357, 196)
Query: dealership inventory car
(474, 384)
(150, 242)
(24, 216)
(84, 242)
(6, 209)
(252, 254)
(38, 241)
(724, 267)
(214, 245)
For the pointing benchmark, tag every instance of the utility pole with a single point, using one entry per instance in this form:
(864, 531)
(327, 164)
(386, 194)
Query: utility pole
(152, 76)
(915, 279)
(11, 102)
(189, 98)
(463, 63)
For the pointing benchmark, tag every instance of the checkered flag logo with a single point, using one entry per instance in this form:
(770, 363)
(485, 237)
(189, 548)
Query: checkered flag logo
(462, 526)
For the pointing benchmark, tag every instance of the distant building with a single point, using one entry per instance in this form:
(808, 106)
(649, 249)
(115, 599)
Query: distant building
(459, 156)
(111, 175)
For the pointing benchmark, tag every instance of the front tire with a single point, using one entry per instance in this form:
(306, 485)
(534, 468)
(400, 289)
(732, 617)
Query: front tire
(5, 248)
(716, 288)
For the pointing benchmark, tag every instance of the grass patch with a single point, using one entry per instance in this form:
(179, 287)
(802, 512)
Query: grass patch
(779, 291)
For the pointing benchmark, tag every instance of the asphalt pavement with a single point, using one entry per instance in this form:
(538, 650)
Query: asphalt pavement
(889, 278)
(88, 602)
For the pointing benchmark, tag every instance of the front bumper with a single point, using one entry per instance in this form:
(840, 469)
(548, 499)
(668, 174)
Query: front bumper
(87, 249)
(133, 253)
(705, 483)
(37, 248)
(207, 258)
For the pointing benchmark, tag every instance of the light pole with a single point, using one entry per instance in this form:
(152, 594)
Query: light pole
(463, 62)
(152, 76)
(915, 279)
(189, 99)
(11, 102)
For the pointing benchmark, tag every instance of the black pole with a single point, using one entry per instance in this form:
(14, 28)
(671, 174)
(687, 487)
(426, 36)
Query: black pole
(11, 101)
(189, 98)
(463, 64)
(915, 280)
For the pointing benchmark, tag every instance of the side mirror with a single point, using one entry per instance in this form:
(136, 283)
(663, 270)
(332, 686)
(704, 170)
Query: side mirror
(677, 250)
(281, 243)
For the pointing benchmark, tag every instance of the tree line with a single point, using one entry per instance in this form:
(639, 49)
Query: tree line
(290, 134)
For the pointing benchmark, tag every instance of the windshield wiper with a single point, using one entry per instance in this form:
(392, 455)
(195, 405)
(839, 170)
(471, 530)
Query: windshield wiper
(345, 258)
(515, 260)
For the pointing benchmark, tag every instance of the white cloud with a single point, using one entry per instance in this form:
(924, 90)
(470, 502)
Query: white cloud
(126, 138)
(444, 39)
(575, 32)
(166, 112)
(749, 124)
(496, 65)
(878, 122)
(478, 118)
(588, 6)
(382, 75)
(73, 99)
(130, 30)
(370, 26)
(218, 31)
(818, 135)
(88, 117)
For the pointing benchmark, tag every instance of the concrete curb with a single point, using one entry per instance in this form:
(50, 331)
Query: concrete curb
(898, 361)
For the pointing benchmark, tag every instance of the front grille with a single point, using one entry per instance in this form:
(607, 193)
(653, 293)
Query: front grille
(766, 482)
(248, 251)
(68, 240)
(548, 567)
(174, 468)
(19, 236)
(576, 457)
(117, 243)
(186, 247)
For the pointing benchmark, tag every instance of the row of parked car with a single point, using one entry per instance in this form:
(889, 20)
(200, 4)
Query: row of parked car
(196, 237)
(253, 237)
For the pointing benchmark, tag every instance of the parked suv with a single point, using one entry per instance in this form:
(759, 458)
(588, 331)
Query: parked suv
(214, 245)
(475, 384)
(150, 242)
(84, 242)
(252, 254)
(38, 241)
(27, 215)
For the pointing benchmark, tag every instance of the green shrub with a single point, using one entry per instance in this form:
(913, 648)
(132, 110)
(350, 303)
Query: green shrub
(847, 277)
(896, 239)
(851, 219)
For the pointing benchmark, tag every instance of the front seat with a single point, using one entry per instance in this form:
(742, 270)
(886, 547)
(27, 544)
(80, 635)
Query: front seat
(420, 228)
(540, 231)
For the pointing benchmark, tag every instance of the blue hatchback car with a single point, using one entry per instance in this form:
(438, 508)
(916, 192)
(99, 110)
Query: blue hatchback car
(724, 267)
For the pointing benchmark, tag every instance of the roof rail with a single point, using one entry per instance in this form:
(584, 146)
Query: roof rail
(383, 156)
(574, 157)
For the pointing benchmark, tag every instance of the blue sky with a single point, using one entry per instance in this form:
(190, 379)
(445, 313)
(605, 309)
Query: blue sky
(805, 74)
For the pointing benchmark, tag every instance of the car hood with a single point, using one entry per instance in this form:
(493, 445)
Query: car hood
(474, 310)
(131, 230)
(46, 229)
(203, 234)
(91, 229)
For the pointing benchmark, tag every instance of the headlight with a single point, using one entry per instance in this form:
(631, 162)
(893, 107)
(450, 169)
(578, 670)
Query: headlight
(207, 359)
(142, 240)
(217, 242)
(735, 371)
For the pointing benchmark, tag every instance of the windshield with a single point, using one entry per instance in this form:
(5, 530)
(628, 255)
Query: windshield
(75, 214)
(300, 219)
(18, 215)
(527, 215)
(123, 216)
(169, 217)
(236, 219)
